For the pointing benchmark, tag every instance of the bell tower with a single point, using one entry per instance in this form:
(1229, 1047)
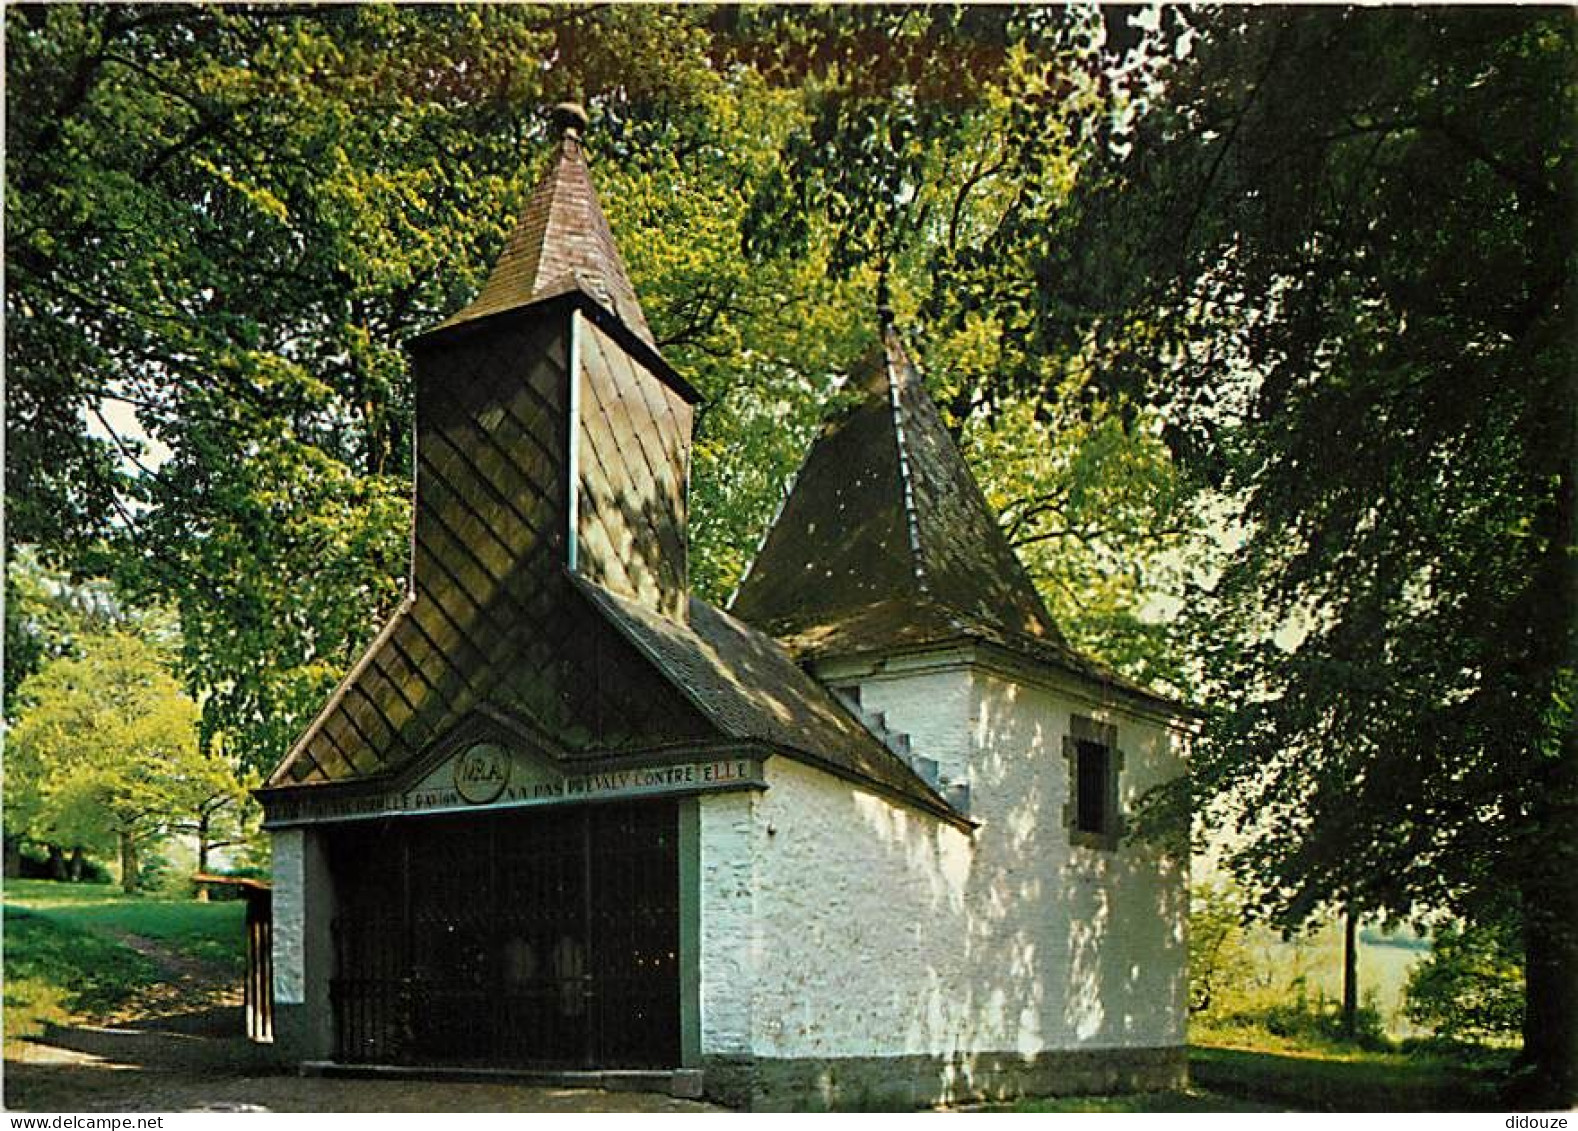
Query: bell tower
(550, 431)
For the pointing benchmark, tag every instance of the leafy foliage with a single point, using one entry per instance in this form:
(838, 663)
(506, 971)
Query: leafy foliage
(46, 613)
(1386, 405)
(1104, 522)
(106, 753)
(1218, 959)
(1244, 992)
(1470, 988)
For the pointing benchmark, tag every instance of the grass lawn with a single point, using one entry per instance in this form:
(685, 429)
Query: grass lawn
(1283, 1075)
(64, 954)
(211, 932)
(53, 972)
(1191, 1100)
(1345, 1080)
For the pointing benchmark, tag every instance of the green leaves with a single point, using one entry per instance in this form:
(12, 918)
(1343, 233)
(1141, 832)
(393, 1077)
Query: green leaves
(230, 219)
(1103, 521)
(1343, 282)
(107, 747)
(1470, 988)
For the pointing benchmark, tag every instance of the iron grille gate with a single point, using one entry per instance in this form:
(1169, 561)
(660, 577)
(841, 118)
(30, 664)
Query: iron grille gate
(544, 938)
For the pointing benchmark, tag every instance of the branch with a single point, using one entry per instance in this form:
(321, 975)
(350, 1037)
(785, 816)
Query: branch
(1227, 142)
(977, 175)
(119, 443)
(159, 81)
(1090, 535)
(226, 843)
(1034, 506)
(701, 320)
(205, 127)
(1477, 149)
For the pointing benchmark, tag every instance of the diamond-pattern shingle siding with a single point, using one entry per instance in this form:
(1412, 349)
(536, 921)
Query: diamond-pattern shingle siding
(544, 409)
(492, 620)
(631, 471)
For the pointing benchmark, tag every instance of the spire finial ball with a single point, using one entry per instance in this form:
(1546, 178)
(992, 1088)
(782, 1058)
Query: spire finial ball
(569, 119)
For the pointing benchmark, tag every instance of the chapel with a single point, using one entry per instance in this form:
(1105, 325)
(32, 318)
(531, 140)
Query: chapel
(856, 840)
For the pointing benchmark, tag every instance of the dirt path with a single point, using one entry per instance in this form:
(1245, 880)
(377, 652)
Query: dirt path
(34, 1087)
(177, 1046)
(190, 986)
(172, 961)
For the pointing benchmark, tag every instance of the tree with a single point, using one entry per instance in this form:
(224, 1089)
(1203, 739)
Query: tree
(1470, 987)
(939, 172)
(47, 616)
(106, 753)
(218, 809)
(1337, 257)
(227, 220)
(1219, 962)
(46, 612)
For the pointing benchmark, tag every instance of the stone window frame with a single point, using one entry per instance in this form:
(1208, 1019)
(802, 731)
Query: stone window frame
(1082, 728)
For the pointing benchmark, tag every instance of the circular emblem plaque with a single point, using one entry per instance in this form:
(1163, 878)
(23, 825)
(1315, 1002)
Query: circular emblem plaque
(482, 772)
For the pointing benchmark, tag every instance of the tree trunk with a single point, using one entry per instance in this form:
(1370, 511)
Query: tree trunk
(1550, 1011)
(57, 863)
(128, 863)
(74, 865)
(1547, 890)
(1350, 974)
(202, 854)
(13, 857)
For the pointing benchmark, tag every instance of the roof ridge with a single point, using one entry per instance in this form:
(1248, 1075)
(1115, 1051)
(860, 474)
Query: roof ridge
(890, 346)
(993, 553)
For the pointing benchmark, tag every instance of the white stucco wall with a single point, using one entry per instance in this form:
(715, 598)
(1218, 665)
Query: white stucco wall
(728, 927)
(879, 930)
(303, 947)
(290, 917)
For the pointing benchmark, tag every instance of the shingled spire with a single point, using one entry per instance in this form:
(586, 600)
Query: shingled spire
(885, 539)
(562, 242)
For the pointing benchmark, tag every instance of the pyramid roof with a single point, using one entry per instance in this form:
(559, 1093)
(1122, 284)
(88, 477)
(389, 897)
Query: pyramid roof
(885, 539)
(562, 243)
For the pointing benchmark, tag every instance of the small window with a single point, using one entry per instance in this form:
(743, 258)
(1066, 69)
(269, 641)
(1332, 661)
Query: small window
(1093, 815)
(1092, 772)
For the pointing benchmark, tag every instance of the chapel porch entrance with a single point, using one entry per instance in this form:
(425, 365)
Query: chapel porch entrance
(544, 938)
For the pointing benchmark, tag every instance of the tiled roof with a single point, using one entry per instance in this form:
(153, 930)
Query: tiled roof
(911, 625)
(718, 678)
(751, 689)
(885, 514)
(562, 243)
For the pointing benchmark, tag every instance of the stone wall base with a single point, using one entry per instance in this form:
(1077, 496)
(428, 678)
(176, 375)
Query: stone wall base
(902, 1083)
(302, 1033)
